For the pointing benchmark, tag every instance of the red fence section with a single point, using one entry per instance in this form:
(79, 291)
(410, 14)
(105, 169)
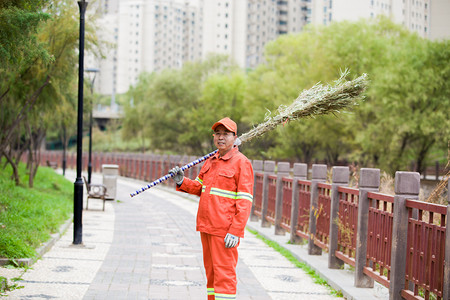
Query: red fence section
(348, 222)
(426, 249)
(323, 216)
(304, 201)
(379, 238)
(257, 197)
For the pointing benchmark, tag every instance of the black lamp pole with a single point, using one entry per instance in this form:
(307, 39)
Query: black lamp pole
(78, 193)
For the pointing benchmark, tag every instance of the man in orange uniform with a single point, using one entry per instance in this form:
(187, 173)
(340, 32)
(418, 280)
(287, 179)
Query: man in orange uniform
(225, 187)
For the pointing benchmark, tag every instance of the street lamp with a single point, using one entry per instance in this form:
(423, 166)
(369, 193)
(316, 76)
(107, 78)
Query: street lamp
(78, 185)
(95, 71)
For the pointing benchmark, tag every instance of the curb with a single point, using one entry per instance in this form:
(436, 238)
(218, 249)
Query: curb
(27, 262)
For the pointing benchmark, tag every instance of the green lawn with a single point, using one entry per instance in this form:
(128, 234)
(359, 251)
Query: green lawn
(28, 216)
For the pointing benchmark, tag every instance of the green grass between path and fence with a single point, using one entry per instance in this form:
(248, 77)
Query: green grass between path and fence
(28, 216)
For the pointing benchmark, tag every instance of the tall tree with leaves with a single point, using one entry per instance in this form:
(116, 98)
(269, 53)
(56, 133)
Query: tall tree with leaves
(19, 50)
(39, 83)
(403, 115)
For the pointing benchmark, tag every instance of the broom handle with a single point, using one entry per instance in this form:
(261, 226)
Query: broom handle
(165, 177)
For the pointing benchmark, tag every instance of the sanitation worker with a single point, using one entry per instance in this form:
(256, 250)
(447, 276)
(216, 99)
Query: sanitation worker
(225, 187)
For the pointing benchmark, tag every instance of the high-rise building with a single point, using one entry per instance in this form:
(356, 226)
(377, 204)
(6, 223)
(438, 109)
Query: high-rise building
(428, 18)
(155, 34)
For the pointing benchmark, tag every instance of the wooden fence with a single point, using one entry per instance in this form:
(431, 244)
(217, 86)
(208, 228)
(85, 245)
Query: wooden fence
(395, 240)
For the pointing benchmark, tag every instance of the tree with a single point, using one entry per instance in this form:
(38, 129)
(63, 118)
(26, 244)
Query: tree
(413, 98)
(39, 78)
(403, 116)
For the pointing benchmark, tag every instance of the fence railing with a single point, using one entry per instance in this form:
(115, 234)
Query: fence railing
(395, 240)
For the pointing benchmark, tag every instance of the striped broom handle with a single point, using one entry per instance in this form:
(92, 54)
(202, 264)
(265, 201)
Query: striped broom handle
(165, 177)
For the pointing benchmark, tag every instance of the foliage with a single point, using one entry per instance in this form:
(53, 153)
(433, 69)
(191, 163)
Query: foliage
(29, 216)
(41, 51)
(7, 286)
(403, 117)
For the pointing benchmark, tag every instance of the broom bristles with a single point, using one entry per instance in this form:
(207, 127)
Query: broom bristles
(318, 100)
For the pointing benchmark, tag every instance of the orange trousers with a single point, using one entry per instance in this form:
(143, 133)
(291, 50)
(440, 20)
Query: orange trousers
(220, 267)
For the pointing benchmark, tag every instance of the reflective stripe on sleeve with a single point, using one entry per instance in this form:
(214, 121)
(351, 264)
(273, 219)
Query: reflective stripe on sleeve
(242, 195)
(231, 195)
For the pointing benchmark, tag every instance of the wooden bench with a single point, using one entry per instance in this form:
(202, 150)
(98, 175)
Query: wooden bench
(52, 164)
(95, 191)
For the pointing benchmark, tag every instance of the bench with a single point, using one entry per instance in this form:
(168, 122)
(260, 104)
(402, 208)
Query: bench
(52, 164)
(95, 191)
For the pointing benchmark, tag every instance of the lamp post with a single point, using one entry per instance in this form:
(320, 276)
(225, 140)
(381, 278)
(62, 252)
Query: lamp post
(95, 71)
(78, 185)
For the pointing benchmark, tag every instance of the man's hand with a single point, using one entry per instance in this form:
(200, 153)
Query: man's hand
(178, 175)
(231, 240)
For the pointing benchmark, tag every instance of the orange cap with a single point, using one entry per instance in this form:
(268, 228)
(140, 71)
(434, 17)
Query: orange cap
(228, 123)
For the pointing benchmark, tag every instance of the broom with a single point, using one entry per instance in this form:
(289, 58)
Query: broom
(318, 100)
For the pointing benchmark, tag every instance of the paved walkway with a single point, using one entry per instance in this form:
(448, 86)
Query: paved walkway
(146, 247)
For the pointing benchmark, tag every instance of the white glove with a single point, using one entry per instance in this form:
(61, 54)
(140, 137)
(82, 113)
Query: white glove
(178, 175)
(231, 240)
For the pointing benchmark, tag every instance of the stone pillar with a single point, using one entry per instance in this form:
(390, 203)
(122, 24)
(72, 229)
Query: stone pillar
(340, 178)
(300, 173)
(407, 186)
(369, 181)
(269, 168)
(319, 174)
(283, 171)
(257, 168)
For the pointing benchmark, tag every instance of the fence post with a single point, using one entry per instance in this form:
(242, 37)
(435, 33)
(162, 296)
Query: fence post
(257, 168)
(300, 173)
(340, 177)
(269, 168)
(446, 289)
(369, 181)
(407, 186)
(319, 174)
(283, 171)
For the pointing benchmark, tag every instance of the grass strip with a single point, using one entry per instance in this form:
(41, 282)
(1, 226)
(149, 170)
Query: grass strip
(311, 272)
(28, 216)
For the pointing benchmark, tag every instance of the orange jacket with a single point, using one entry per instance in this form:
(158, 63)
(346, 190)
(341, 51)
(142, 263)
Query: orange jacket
(225, 187)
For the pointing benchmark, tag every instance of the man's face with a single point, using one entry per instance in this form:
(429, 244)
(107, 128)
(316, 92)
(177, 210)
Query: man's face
(223, 139)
